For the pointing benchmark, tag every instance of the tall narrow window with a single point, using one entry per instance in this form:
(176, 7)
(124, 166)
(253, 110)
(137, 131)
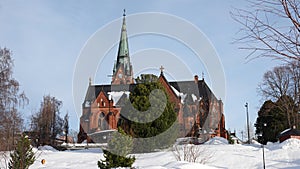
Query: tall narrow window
(101, 121)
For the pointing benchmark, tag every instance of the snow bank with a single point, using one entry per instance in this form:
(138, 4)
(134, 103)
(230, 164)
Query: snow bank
(286, 155)
(272, 146)
(47, 148)
(217, 141)
(291, 143)
(186, 165)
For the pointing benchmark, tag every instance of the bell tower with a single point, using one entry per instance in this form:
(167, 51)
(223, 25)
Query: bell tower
(122, 71)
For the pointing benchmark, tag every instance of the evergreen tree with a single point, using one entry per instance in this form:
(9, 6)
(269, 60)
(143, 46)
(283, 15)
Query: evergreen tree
(271, 120)
(147, 115)
(119, 146)
(23, 155)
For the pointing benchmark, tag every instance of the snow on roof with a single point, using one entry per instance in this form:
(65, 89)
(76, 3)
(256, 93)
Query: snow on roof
(181, 95)
(175, 91)
(194, 97)
(286, 130)
(291, 131)
(102, 131)
(117, 95)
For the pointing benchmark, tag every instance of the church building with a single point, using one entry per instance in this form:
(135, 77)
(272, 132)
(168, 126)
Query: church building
(199, 112)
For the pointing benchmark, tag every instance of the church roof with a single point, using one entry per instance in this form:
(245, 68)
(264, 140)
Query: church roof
(94, 90)
(290, 132)
(199, 90)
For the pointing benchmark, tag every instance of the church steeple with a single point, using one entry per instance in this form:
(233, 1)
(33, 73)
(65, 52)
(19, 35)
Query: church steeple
(122, 71)
(123, 44)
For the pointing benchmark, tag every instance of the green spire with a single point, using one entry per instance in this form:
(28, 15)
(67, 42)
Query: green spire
(123, 44)
(122, 71)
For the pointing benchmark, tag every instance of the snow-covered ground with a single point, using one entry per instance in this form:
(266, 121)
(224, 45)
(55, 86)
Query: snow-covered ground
(217, 154)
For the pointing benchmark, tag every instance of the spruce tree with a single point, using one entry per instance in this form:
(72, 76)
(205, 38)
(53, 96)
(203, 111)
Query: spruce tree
(147, 115)
(23, 156)
(271, 120)
(119, 146)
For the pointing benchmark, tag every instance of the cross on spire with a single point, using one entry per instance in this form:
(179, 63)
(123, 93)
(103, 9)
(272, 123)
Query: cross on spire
(124, 12)
(90, 81)
(161, 69)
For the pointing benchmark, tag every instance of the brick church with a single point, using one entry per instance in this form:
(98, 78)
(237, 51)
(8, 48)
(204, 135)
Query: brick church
(199, 112)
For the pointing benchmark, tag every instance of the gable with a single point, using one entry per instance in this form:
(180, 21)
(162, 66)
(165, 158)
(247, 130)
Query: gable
(172, 95)
(102, 100)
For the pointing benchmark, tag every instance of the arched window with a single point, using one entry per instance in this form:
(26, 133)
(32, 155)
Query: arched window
(101, 121)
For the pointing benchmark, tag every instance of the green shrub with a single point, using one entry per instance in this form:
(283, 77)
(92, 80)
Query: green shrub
(22, 157)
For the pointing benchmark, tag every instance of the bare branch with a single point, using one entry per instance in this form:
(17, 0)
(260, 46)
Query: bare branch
(270, 28)
(283, 83)
(192, 153)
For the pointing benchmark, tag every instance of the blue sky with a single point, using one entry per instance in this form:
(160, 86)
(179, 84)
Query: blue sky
(46, 38)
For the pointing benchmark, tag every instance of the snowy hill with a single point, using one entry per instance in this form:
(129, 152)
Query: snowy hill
(221, 155)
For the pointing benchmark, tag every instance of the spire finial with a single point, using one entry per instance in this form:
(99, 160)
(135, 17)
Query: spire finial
(90, 81)
(161, 69)
(124, 12)
(202, 75)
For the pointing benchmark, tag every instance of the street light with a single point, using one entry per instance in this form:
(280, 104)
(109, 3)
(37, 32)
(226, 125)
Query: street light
(248, 130)
(263, 149)
(262, 144)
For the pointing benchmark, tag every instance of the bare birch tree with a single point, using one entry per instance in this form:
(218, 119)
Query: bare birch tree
(283, 84)
(270, 28)
(11, 99)
(47, 123)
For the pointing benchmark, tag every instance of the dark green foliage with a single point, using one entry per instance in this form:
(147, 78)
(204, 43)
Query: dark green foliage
(113, 161)
(230, 140)
(146, 78)
(271, 120)
(147, 115)
(22, 157)
(119, 146)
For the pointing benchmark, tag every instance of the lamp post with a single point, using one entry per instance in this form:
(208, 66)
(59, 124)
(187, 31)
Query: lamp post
(248, 130)
(263, 149)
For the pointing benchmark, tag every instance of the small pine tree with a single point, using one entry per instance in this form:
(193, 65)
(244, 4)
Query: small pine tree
(119, 146)
(230, 140)
(114, 161)
(22, 156)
